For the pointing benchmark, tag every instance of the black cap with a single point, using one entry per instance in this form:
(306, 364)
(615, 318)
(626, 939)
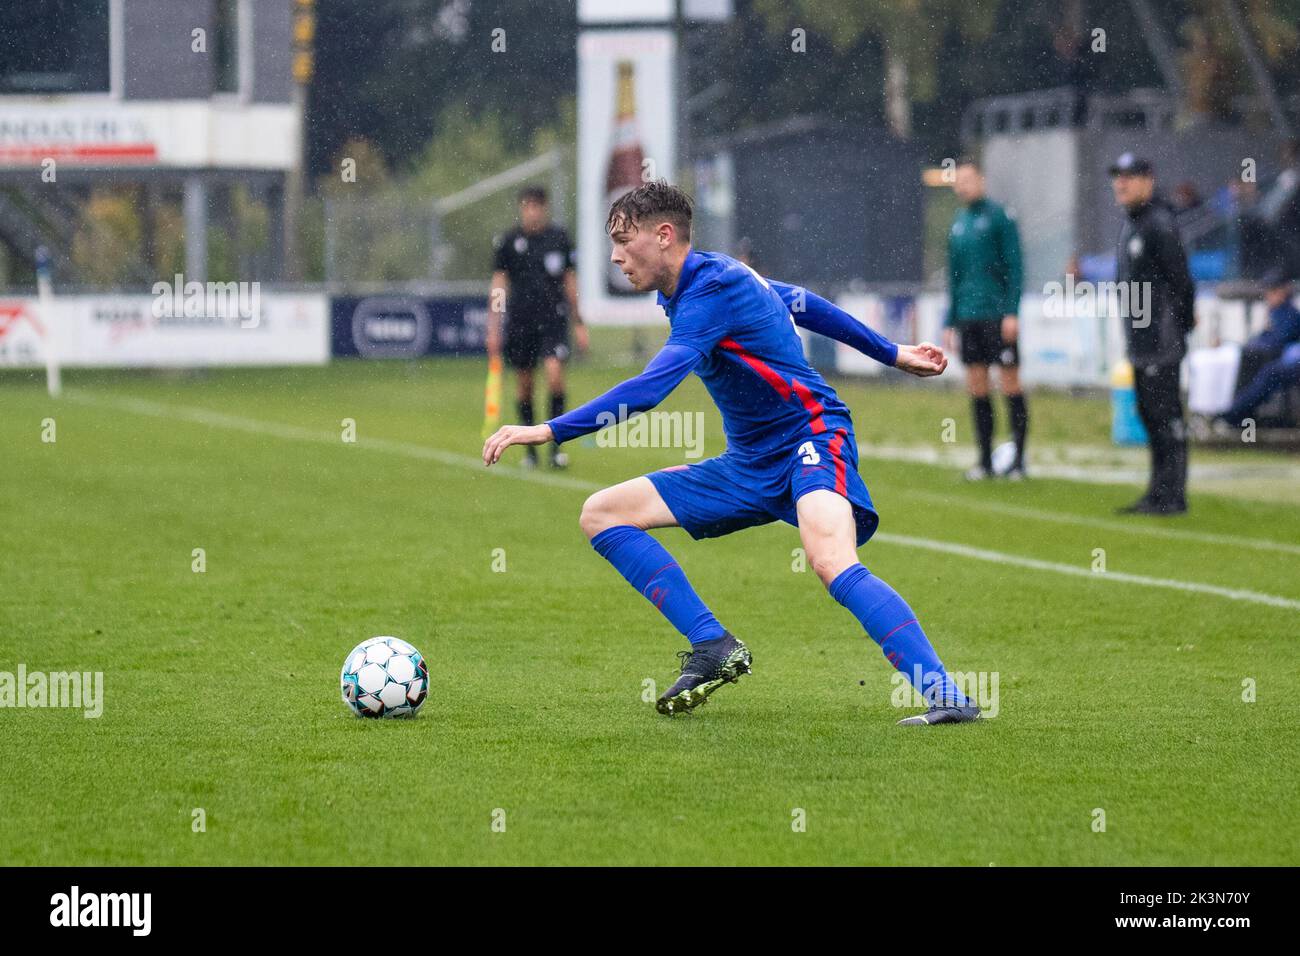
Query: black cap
(1130, 165)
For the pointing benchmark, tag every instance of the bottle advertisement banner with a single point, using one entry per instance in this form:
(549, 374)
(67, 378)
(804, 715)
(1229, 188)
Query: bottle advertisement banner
(626, 135)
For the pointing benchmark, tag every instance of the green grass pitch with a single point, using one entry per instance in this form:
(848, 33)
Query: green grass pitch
(221, 688)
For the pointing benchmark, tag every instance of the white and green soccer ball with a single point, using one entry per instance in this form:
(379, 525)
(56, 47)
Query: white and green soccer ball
(384, 677)
(1004, 457)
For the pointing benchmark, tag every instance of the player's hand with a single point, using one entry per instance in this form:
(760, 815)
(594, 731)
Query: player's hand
(494, 343)
(921, 360)
(950, 339)
(508, 435)
(1010, 328)
(581, 337)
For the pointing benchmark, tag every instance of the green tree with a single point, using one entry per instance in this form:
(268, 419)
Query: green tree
(1215, 66)
(382, 222)
(910, 32)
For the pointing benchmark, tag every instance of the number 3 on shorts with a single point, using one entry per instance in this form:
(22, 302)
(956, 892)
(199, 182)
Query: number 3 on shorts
(809, 452)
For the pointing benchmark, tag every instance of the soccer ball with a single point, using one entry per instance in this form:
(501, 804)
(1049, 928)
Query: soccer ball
(384, 677)
(1004, 456)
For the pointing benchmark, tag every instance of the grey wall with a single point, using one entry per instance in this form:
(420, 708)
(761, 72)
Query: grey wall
(161, 66)
(1034, 175)
(159, 62)
(826, 206)
(273, 51)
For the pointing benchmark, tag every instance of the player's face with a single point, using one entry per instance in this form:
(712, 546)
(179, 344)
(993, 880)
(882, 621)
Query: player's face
(968, 184)
(1131, 190)
(639, 254)
(1277, 295)
(533, 215)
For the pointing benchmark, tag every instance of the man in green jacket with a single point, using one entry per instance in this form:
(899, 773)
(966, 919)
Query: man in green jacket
(984, 276)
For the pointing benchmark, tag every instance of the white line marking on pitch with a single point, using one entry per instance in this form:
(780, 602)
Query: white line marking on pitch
(1086, 463)
(1136, 527)
(203, 416)
(998, 557)
(253, 426)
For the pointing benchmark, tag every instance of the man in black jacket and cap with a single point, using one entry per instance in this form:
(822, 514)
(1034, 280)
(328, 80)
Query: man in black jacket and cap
(1156, 297)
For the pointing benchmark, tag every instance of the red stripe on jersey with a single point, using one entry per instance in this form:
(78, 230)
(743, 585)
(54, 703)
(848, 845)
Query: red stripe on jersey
(814, 407)
(768, 373)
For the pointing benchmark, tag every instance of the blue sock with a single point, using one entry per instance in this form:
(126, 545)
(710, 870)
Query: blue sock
(651, 570)
(893, 625)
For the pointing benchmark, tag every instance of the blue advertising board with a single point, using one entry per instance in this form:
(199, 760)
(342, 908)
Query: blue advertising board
(407, 326)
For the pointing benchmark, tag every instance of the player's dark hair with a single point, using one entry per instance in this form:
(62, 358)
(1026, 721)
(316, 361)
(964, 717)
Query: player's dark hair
(535, 194)
(656, 200)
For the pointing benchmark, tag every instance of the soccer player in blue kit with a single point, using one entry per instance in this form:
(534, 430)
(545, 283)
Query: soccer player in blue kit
(791, 453)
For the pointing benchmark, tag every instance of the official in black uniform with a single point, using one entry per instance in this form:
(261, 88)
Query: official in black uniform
(1152, 264)
(534, 284)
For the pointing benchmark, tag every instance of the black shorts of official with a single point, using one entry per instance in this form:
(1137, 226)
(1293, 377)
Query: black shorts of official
(529, 341)
(981, 344)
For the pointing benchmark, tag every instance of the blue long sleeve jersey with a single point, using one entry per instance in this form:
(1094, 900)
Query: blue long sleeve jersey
(1283, 327)
(736, 330)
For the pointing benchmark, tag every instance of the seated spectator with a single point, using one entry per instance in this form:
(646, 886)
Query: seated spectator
(1277, 348)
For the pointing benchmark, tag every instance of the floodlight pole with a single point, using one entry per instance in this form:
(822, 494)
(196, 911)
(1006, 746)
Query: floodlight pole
(304, 31)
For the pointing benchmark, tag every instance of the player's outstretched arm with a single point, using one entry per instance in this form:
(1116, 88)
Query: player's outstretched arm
(812, 312)
(662, 374)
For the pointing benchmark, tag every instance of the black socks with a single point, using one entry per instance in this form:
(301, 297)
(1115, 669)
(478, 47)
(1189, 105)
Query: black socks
(983, 409)
(1019, 425)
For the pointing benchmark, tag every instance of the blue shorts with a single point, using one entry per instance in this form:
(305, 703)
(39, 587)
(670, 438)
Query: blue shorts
(727, 493)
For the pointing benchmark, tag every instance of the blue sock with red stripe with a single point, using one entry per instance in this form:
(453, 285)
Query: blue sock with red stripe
(892, 624)
(650, 569)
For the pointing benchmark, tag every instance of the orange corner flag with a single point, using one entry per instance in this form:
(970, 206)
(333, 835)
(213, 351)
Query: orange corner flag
(492, 398)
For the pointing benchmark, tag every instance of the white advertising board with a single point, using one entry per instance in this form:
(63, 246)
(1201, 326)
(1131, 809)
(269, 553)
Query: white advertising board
(124, 331)
(187, 134)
